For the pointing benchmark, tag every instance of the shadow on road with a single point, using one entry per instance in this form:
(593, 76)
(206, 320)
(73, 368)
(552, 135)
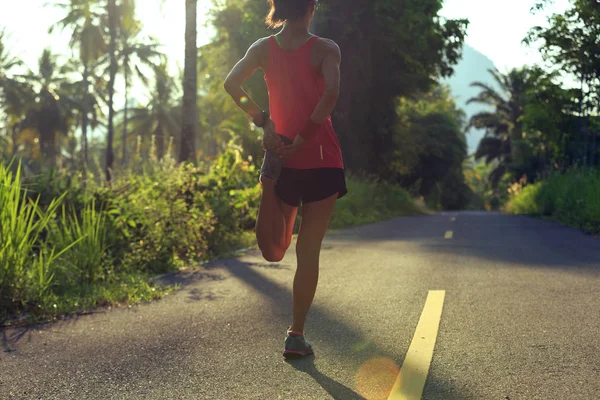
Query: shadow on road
(503, 239)
(338, 335)
(335, 389)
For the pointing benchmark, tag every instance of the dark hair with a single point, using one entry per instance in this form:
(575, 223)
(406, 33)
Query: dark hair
(282, 11)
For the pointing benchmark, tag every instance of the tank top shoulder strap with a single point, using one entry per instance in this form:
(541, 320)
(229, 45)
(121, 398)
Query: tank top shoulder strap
(312, 41)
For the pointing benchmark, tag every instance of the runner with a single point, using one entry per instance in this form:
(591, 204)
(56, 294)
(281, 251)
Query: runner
(303, 163)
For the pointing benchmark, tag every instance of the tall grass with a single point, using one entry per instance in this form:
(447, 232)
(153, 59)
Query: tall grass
(83, 262)
(27, 265)
(572, 197)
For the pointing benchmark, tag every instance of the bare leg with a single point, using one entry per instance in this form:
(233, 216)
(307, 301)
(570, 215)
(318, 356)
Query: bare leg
(315, 220)
(274, 224)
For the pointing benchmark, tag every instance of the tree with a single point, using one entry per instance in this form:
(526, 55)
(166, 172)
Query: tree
(49, 117)
(429, 148)
(571, 43)
(113, 26)
(187, 149)
(132, 55)
(390, 50)
(160, 117)
(11, 105)
(85, 19)
(503, 126)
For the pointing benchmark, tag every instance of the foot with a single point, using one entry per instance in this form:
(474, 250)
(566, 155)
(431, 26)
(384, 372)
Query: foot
(273, 164)
(296, 345)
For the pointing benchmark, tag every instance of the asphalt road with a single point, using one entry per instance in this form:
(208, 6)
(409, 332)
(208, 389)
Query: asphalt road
(520, 320)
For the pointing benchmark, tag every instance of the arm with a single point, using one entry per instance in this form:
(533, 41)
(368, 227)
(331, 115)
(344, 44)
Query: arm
(238, 75)
(330, 69)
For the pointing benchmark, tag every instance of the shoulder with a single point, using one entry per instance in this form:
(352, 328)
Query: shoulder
(328, 47)
(259, 51)
(260, 45)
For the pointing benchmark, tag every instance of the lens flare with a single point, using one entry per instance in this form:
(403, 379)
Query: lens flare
(244, 100)
(375, 378)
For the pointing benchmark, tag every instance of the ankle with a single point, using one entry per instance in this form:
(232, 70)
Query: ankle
(295, 330)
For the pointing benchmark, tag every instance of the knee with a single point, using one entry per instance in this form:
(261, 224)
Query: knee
(272, 255)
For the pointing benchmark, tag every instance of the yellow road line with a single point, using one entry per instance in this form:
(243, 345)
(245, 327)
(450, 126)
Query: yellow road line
(449, 235)
(413, 374)
(453, 219)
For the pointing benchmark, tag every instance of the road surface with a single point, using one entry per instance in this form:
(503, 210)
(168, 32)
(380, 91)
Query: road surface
(520, 320)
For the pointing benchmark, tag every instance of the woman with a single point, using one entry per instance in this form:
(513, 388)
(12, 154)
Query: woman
(303, 162)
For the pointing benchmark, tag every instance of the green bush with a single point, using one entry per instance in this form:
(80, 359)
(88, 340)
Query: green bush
(372, 202)
(572, 197)
(232, 191)
(155, 221)
(98, 244)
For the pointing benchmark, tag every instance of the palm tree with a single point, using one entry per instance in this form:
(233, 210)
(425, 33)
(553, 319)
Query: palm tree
(9, 100)
(50, 115)
(113, 30)
(187, 149)
(132, 55)
(160, 117)
(84, 17)
(503, 125)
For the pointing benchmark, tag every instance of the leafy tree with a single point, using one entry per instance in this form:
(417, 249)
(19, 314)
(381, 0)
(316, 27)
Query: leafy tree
(85, 20)
(571, 43)
(161, 116)
(430, 148)
(503, 141)
(12, 96)
(390, 49)
(133, 54)
(50, 115)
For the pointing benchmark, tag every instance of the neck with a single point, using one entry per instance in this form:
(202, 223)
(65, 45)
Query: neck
(295, 29)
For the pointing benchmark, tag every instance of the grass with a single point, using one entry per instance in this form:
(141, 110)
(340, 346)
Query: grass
(57, 260)
(572, 198)
(368, 203)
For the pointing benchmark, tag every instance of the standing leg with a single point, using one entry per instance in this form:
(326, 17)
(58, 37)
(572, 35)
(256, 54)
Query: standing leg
(315, 220)
(274, 224)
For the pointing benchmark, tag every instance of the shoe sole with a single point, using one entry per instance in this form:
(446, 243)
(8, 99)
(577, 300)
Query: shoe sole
(294, 354)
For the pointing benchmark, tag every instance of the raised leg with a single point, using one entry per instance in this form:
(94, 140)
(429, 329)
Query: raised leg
(274, 224)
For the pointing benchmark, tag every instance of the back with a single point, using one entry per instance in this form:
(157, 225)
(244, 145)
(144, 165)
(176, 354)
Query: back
(295, 89)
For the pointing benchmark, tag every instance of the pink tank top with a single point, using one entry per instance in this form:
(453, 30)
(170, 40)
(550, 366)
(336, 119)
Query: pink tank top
(295, 89)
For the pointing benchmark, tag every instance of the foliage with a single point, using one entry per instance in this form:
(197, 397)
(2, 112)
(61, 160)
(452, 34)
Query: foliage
(147, 222)
(369, 202)
(390, 50)
(27, 262)
(572, 197)
(429, 149)
(570, 45)
(530, 131)
(86, 261)
(154, 222)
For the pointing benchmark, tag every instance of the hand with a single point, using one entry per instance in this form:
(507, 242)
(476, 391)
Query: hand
(286, 152)
(270, 138)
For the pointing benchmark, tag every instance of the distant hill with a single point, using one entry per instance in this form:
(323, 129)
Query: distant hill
(473, 67)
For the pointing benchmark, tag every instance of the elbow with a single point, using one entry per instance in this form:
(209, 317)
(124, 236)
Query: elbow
(229, 85)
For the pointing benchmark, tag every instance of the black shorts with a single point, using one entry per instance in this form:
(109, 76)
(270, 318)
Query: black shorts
(296, 186)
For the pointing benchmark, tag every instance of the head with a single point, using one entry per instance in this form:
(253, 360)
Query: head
(285, 11)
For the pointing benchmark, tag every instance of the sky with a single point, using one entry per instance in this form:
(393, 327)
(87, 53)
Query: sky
(27, 23)
(496, 29)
